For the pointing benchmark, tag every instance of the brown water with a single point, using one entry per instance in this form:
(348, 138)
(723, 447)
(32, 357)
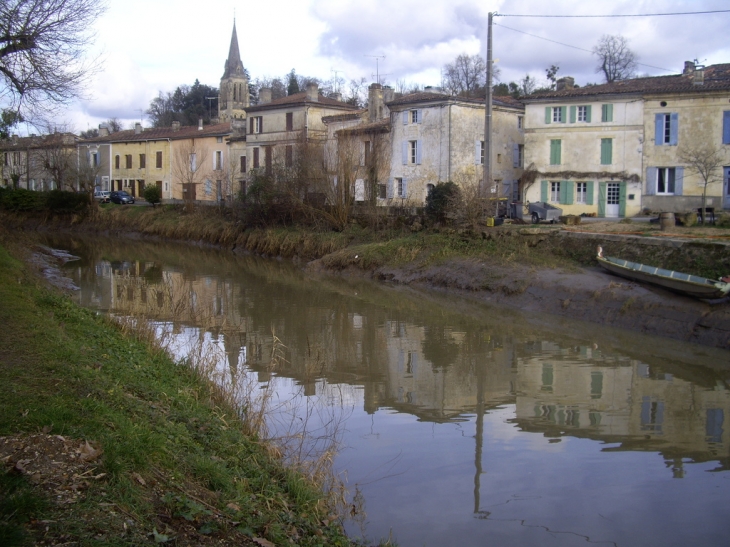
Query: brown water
(460, 424)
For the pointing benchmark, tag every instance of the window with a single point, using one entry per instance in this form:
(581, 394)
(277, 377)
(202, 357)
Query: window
(666, 129)
(256, 125)
(555, 151)
(411, 152)
(94, 159)
(158, 160)
(400, 187)
(219, 139)
(142, 161)
(268, 158)
(290, 121)
(557, 114)
(412, 116)
(367, 152)
(382, 191)
(606, 113)
(606, 151)
(243, 163)
(208, 187)
(518, 155)
(128, 159)
(726, 127)
(555, 191)
(255, 158)
(193, 162)
(479, 153)
(218, 160)
(666, 179)
(520, 122)
(583, 114)
(581, 189)
(289, 155)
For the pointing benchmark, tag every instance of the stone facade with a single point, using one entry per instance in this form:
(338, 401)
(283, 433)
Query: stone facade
(233, 94)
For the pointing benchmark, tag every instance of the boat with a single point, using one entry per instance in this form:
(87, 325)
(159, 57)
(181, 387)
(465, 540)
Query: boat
(688, 284)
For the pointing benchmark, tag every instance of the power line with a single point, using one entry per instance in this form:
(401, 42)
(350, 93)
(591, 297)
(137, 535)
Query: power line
(574, 47)
(614, 15)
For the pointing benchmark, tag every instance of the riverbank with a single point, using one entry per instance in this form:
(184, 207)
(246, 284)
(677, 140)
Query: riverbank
(105, 441)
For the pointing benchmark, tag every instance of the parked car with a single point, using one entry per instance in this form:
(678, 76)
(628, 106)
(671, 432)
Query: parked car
(102, 196)
(121, 197)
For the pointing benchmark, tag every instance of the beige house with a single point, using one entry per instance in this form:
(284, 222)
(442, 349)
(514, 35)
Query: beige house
(438, 138)
(42, 163)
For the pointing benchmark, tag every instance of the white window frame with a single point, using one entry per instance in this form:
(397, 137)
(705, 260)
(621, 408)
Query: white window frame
(670, 180)
(414, 116)
(520, 122)
(554, 191)
(581, 192)
(218, 160)
(557, 114)
(399, 188)
(413, 152)
(666, 130)
(193, 162)
(583, 113)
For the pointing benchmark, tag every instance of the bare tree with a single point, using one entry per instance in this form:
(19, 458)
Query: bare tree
(615, 60)
(467, 75)
(706, 162)
(56, 155)
(188, 168)
(42, 52)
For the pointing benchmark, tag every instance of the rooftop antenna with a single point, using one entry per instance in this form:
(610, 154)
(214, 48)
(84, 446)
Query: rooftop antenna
(141, 111)
(210, 114)
(335, 79)
(377, 77)
(377, 70)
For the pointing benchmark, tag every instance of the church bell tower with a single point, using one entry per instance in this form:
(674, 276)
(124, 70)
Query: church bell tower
(233, 94)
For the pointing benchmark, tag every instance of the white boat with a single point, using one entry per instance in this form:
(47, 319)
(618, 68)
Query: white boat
(691, 285)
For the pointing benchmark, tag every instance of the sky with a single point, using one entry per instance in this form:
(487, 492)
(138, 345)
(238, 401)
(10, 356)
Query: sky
(148, 46)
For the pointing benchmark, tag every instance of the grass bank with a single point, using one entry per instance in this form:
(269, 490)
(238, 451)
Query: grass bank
(106, 441)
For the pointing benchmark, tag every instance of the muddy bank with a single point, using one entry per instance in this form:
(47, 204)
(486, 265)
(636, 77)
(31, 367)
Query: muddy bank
(586, 293)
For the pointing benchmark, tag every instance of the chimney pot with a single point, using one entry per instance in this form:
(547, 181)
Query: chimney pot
(567, 82)
(264, 95)
(137, 128)
(175, 126)
(313, 91)
(103, 130)
(689, 67)
(200, 124)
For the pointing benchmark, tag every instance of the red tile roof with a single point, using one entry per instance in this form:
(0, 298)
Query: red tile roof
(301, 99)
(378, 126)
(430, 96)
(164, 133)
(347, 116)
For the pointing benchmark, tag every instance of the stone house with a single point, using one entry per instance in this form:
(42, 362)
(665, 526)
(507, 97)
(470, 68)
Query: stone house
(438, 138)
(42, 162)
(617, 149)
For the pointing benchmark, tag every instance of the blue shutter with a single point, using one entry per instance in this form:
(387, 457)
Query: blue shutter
(548, 114)
(420, 115)
(673, 128)
(544, 191)
(651, 181)
(678, 181)
(622, 200)
(659, 129)
(588, 113)
(589, 192)
(572, 114)
(405, 117)
(602, 199)
(405, 188)
(419, 146)
(515, 155)
(726, 127)
(478, 152)
(569, 191)
(405, 152)
(389, 189)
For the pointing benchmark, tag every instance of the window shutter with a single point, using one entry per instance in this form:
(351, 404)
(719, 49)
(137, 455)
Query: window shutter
(405, 152)
(673, 128)
(478, 152)
(726, 127)
(419, 146)
(405, 117)
(622, 199)
(588, 113)
(420, 115)
(548, 114)
(544, 191)
(389, 189)
(250, 130)
(569, 191)
(555, 152)
(572, 114)
(651, 181)
(563, 114)
(607, 113)
(658, 129)
(601, 199)
(405, 188)
(515, 155)
(606, 151)
(563, 194)
(679, 181)
(261, 124)
(589, 192)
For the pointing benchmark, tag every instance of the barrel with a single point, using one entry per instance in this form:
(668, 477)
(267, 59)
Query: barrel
(666, 221)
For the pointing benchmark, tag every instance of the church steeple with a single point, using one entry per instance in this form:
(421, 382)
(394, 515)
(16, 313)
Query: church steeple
(233, 96)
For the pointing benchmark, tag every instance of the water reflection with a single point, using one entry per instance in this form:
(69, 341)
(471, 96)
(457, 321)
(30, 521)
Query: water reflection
(500, 375)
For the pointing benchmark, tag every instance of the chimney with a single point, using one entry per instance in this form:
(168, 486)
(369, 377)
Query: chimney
(336, 96)
(313, 91)
(264, 95)
(388, 94)
(200, 124)
(137, 128)
(375, 102)
(175, 126)
(566, 82)
(103, 130)
(689, 67)
(698, 78)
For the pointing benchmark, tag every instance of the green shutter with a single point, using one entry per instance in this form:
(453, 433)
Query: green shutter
(569, 191)
(607, 113)
(606, 151)
(544, 191)
(572, 114)
(589, 192)
(548, 114)
(563, 193)
(563, 114)
(588, 113)
(601, 199)
(555, 152)
(622, 200)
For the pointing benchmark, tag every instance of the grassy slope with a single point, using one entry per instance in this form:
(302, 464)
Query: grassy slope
(205, 482)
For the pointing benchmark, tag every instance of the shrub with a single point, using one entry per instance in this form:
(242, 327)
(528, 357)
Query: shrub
(152, 194)
(438, 200)
(62, 202)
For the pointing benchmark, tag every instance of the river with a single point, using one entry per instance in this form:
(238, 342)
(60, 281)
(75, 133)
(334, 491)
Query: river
(458, 424)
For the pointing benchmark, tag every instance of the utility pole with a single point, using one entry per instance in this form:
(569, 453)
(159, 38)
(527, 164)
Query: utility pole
(488, 116)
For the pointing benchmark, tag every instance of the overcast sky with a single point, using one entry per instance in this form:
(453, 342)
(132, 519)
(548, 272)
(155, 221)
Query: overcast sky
(155, 45)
